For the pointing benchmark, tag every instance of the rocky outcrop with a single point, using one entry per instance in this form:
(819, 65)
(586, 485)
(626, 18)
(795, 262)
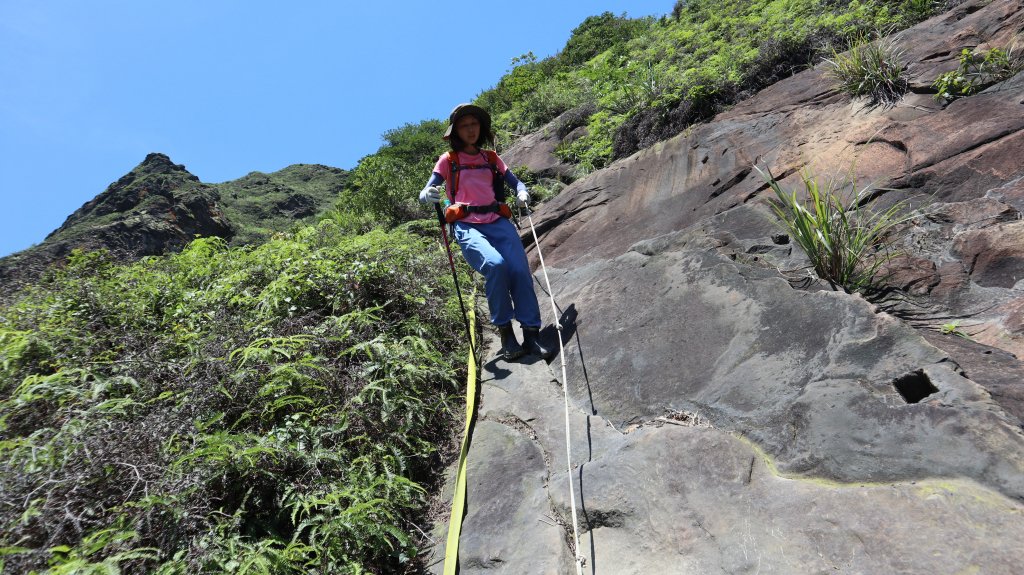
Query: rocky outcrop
(159, 207)
(537, 151)
(156, 208)
(730, 414)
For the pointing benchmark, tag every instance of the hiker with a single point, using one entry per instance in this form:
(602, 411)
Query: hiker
(474, 180)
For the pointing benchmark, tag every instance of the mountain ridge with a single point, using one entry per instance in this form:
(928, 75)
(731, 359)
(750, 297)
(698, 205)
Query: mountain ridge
(159, 207)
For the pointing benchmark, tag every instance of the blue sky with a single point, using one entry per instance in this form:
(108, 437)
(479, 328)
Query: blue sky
(227, 87)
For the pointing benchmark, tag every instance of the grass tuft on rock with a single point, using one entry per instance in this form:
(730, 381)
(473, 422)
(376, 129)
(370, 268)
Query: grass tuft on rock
(836, 225)
(871, 70)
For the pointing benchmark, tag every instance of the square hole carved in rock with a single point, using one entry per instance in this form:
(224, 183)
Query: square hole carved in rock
(914, 386)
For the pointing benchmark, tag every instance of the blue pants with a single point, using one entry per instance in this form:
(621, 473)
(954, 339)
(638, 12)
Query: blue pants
(496, 251)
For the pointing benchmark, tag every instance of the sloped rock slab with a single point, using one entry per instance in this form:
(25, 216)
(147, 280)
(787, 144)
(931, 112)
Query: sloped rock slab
(962, 152)
(508, 526)
(819, 380)
(697, 500)
(511, 525)
(668, 497)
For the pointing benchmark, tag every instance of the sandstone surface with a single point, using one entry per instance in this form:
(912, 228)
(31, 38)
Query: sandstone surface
(730, 413)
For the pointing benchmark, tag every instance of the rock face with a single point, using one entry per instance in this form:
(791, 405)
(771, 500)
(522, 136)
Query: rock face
(729, 417)
(156, 208)
(159, 207)
(537, 151)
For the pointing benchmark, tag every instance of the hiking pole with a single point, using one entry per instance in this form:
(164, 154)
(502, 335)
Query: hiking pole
(455, 278)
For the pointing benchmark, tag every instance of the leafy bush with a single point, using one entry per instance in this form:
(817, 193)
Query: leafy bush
(650, 79)
(228, 410)
(598, 34)
(871, 70)
(846, 240)
(651, 125)
(977, 72)
(385, 184)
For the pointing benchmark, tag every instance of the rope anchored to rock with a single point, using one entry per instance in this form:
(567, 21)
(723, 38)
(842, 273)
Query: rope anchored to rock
(458, 504)
(565, 395)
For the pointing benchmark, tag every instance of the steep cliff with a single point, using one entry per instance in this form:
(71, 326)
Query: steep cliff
(729, 417)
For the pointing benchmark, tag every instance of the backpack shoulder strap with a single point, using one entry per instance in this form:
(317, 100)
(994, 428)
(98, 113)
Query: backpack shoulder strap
(492, 158)
(453, 172)
(497, 179)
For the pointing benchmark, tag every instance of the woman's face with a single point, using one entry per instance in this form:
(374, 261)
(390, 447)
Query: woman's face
(468, 129)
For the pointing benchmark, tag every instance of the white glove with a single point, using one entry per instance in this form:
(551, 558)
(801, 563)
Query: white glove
(430, 194)
(523, 198)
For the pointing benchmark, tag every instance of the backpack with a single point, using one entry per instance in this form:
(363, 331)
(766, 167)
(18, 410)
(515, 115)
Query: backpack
(455, 212)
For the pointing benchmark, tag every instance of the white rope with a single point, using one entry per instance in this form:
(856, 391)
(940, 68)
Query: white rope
(565, 390)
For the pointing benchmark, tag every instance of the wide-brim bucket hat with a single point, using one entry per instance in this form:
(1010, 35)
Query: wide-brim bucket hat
(463, 110)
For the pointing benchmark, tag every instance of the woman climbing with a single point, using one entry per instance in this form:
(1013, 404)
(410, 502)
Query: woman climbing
(474, 180)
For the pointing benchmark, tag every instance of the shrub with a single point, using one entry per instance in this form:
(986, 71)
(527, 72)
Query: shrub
(275, 408)
(385, 184)
(871, 70)
(846, 240)
(597, 34)
(781, 57)
(651, 125)
(977, 72)
(544, 103)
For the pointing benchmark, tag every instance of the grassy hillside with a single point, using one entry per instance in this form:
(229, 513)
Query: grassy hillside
(633, 82)
(259, 204)
(228, 410)
(159, 207)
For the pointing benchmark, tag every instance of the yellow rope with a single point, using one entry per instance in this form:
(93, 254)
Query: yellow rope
(451, 549)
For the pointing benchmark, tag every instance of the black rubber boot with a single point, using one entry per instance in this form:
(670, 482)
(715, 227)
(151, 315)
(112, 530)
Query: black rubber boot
(510, 348)
(531, 341)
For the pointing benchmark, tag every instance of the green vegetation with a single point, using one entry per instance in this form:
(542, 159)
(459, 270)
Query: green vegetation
(953, 328)
(631, 83)
(846, 240)
(638, 81)
(977, 72)
(271, 409)
(260, 205)
(872, 70)
(385, 185)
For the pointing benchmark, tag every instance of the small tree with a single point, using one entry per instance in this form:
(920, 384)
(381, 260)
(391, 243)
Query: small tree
(384, 184)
